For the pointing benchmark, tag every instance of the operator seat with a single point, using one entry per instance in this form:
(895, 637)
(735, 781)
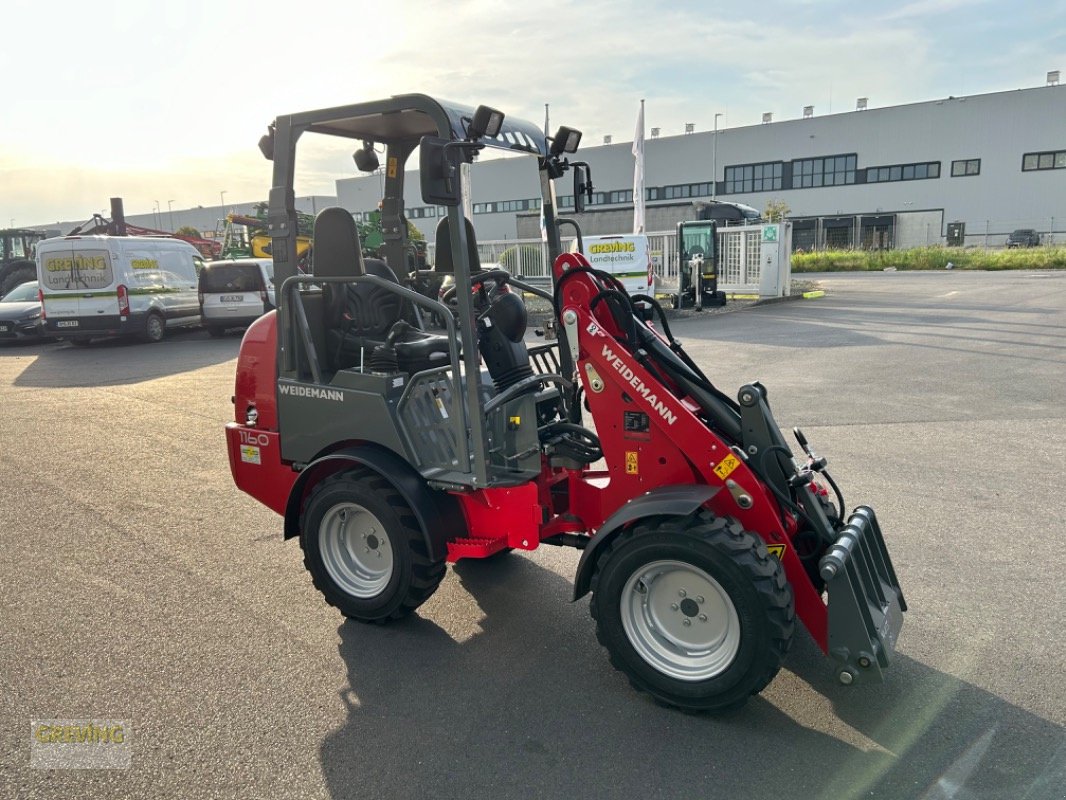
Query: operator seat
(360, 316)
(443, 252)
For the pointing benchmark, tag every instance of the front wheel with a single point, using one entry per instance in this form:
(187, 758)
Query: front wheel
(364, 548)
(693, 610)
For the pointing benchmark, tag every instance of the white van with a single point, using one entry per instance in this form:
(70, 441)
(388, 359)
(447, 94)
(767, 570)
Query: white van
(626, 256)
(235, 292)
(93, 286)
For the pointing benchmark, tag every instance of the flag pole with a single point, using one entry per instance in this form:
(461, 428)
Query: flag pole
(638, 173)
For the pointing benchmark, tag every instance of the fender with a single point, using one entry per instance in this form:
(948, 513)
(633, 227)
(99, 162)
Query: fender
(668, 501)
(438, 513)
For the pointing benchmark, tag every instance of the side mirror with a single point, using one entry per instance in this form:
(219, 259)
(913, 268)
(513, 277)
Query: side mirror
(582, 185)
(438, 167)
(566, 140)
(486, 122)
(266, 144)
(366, 160)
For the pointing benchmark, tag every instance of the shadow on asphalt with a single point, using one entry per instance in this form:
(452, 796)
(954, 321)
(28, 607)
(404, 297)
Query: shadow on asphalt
(529, 707)
(119, 361)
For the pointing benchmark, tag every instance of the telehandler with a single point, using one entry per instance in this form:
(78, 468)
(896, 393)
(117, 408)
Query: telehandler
(391, 451)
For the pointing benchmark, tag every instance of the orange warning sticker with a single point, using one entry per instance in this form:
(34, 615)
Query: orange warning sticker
(726, 466)
(632, 465)
(391, 169)
(776, 550)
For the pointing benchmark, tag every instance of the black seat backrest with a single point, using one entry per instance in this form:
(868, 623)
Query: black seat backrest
(371, 311)
(443, 261)
(337, 253)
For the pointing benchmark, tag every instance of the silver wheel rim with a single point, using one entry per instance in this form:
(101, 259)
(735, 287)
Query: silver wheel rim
(355, 550)
(155, 327)
(680, 620)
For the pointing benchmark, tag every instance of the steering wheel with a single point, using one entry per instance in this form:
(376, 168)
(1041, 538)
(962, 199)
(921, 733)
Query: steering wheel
(500, 276)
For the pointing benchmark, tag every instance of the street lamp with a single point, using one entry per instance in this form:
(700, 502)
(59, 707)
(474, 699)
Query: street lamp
(223, 196)
(170, 213)
(158, 220)
(714, 158)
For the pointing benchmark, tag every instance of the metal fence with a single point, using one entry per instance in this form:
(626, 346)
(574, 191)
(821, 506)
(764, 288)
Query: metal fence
(529, 257)
(740, 249)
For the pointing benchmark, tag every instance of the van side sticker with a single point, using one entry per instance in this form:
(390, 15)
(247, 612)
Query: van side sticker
(250, 454)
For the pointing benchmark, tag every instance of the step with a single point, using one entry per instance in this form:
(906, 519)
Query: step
(475, 547)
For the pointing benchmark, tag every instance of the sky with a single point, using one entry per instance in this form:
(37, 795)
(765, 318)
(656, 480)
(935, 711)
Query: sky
(163, 103)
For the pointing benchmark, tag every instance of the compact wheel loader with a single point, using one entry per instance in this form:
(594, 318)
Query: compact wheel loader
(391, 451)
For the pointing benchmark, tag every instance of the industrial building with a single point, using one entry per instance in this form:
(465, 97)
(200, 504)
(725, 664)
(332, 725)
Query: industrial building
(957, 170)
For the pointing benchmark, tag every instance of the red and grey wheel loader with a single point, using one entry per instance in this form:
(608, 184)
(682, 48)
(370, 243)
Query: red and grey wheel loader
(391, 450)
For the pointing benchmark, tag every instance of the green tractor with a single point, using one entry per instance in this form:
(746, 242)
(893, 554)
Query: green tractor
(18, 251)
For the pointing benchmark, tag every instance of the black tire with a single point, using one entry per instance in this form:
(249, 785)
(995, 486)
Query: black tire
(413, 575)
(752, 639)
(82, 342)
(155, 328)
(15, 273)
(215, 332)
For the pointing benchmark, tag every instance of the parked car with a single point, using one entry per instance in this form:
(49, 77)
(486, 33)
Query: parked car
(20, 314)
(1023, 237)
(235, 292)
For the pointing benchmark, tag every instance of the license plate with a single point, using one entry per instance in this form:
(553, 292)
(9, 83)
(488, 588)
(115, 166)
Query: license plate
(232, 298)
(4, 328)
(67, 323)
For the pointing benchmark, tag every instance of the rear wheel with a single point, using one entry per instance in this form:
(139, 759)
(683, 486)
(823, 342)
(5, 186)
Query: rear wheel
(693, 610)
(15, 273)
(155, 328)
(365, 550)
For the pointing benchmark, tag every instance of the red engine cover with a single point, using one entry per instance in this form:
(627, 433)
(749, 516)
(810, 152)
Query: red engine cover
(257, 373)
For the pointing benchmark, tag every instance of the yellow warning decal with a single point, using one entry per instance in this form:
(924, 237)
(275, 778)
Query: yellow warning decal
(726, 466)
(391, 169)
(776, 550)
(632, 465)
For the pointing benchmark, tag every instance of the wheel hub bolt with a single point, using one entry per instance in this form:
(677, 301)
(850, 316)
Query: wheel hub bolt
(682, 593)
(703, 617)
(686, 622)
(674, 606)
(699, 599)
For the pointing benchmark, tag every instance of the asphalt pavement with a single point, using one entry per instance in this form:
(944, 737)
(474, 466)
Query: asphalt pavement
(137, 584)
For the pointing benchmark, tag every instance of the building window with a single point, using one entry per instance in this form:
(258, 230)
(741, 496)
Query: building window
(827, 171)
(1051, 159)
(652, 193)
(566, 201)
(765, 177)
(967, 166)
(905, 172)
(622, 196)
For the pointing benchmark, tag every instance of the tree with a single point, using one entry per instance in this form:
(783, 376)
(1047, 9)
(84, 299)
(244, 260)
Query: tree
(188, 230)
(776, 210)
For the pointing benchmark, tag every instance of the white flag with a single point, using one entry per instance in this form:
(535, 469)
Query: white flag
(638, 173)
